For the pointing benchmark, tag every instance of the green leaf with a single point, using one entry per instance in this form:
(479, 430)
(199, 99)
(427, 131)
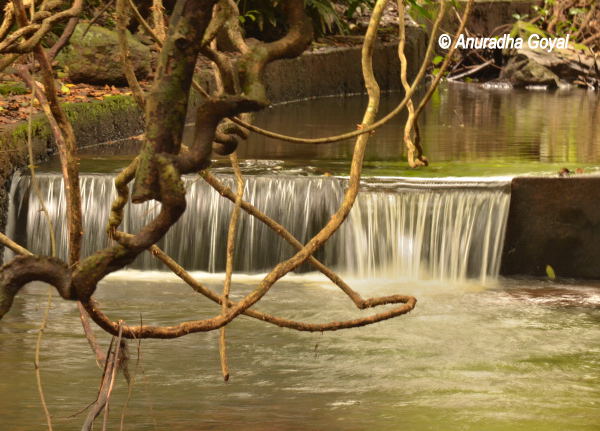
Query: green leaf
(531, 28)
(579, 46)
(577, 11)
(437, 59)
(550, 272)
(420, 9)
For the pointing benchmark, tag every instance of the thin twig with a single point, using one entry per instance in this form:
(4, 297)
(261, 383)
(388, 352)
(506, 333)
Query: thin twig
(97, 17)
(434, 84)
(38, 374)
(471, 71)
(100, 401)
(145, 24)
(107, 381)
(36, 362)
(64, 38)
(115, 370)
(158, 18)
(16, 248)
(132, 381)
(89, 335)
(231, 234)
(415, 152)
(34, 182)
(128, 69)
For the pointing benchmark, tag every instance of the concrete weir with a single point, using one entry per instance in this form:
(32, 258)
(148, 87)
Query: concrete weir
(556, 222)
(324, 72)
(551, 221)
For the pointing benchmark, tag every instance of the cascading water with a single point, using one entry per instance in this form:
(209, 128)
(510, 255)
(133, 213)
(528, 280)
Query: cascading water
(398, 228)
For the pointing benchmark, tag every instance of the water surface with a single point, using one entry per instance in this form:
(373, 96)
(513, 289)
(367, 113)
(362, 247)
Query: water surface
(467, 130)
(516, 355)
(507, 355)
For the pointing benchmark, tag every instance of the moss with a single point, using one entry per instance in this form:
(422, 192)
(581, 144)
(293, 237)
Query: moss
(93, 111)
(94, 58)
(87, 120)
(12, 88)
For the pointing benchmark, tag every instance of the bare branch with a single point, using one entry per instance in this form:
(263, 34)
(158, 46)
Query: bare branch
(233, 222)
(408, 302)
(434, 84)
(34, 32)
(128, 69)
(9, 19)
(24, 269)
(158, 18)
(16, 248)
(64, 38)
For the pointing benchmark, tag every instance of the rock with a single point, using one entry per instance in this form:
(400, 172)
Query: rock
(567, 64)
(521, 71)
(540, 67)
(94, 58)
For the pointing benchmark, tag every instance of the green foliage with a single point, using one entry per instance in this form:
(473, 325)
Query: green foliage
(421, 8)
(561, 18)
(261, 13)
(525, 29)
(325, 17)
(13, 88)
(264, 16)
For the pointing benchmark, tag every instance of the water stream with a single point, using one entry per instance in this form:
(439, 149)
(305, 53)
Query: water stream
(517, 355)
(443, 230)
(479, 352)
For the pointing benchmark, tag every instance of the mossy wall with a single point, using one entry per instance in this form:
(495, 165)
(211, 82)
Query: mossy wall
(113, 118)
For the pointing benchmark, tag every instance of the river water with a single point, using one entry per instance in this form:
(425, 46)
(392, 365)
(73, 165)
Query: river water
(466, 130)
(479, 352)
(514, 355)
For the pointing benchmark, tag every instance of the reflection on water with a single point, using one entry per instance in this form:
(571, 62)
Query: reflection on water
(468, 123)
(523, 355)
(461, 123)
(467, 130)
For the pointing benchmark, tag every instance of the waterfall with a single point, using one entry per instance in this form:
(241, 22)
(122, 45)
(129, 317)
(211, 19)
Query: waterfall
(446, 230)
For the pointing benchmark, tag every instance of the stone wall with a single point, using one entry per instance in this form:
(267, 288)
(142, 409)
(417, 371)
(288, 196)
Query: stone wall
(334, 71)
(338, 71)
(556, 222)
(114, 118)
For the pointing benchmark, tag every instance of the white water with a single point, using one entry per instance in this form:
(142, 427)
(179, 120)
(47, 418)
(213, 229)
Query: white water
(442, 230)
